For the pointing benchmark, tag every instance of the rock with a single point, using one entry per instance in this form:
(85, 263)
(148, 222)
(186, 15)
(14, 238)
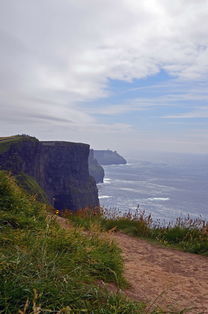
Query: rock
(108, 157)
(95, 169)
(60, 168)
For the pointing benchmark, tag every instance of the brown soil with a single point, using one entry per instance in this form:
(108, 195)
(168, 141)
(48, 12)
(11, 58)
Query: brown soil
(169, 278)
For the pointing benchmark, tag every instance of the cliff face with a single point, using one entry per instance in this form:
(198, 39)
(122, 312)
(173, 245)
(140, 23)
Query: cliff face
(60, 168)
(95, 169)
(108, 157)
(65, 177)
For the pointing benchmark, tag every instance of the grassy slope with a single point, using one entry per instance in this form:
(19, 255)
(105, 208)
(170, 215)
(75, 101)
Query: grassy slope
(30, 185)
(186, 234)
(44, 268)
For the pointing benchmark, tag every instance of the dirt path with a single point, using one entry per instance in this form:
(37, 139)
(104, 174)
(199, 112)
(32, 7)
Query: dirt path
(164, 276)
(169, 278)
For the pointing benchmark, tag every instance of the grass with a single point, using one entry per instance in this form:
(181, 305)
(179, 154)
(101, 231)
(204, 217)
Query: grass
(188, 234)
(45, 269)
(5, 142)
(30, 185)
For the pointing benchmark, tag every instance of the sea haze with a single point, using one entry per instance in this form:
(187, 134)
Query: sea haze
(169, 187)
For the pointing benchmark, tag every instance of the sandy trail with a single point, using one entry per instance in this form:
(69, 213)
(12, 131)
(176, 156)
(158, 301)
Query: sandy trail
(170, 278)
(165, 277)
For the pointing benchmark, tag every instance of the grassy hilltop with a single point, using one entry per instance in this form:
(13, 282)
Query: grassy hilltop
(5, 142)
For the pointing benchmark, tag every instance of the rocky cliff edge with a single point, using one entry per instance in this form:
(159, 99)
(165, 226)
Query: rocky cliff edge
(95, 169)
(60, 169)
(108, 157)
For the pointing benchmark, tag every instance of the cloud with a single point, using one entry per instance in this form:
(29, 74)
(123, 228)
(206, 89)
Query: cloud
(77, 46)
(57, 55)
(200, 113)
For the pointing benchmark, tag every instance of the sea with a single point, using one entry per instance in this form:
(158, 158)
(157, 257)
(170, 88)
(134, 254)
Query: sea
(165, 186)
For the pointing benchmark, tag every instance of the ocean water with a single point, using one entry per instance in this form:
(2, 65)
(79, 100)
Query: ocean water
(168, 188)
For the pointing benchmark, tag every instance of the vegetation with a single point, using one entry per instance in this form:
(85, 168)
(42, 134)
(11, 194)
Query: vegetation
(5, 142)
(45, 269)
(188, 234)
(30, 185)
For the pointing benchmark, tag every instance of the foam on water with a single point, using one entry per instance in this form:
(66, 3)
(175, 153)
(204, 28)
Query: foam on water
(158, 198)
(107, 180)
(104, 196)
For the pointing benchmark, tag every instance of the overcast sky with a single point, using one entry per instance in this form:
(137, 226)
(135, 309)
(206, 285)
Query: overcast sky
(129, 75)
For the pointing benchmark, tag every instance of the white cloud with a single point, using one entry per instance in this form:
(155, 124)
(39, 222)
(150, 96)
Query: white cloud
(57, 54)
(76, 46)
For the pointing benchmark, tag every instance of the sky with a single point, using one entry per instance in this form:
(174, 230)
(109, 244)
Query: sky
(127, 75)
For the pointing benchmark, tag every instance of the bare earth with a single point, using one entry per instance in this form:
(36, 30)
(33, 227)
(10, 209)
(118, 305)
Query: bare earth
(169, 278)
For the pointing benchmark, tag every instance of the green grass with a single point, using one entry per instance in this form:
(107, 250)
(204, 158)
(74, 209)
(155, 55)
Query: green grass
(45, 269)
(30, 185)
(185, 234)
(5, 142)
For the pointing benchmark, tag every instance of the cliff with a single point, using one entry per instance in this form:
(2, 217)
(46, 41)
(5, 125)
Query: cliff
(108, 157)
(60, 169)
(95, 169)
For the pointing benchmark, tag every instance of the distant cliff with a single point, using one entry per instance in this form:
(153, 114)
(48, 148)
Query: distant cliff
(60, 169)
(108, 157)
(95, 169)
